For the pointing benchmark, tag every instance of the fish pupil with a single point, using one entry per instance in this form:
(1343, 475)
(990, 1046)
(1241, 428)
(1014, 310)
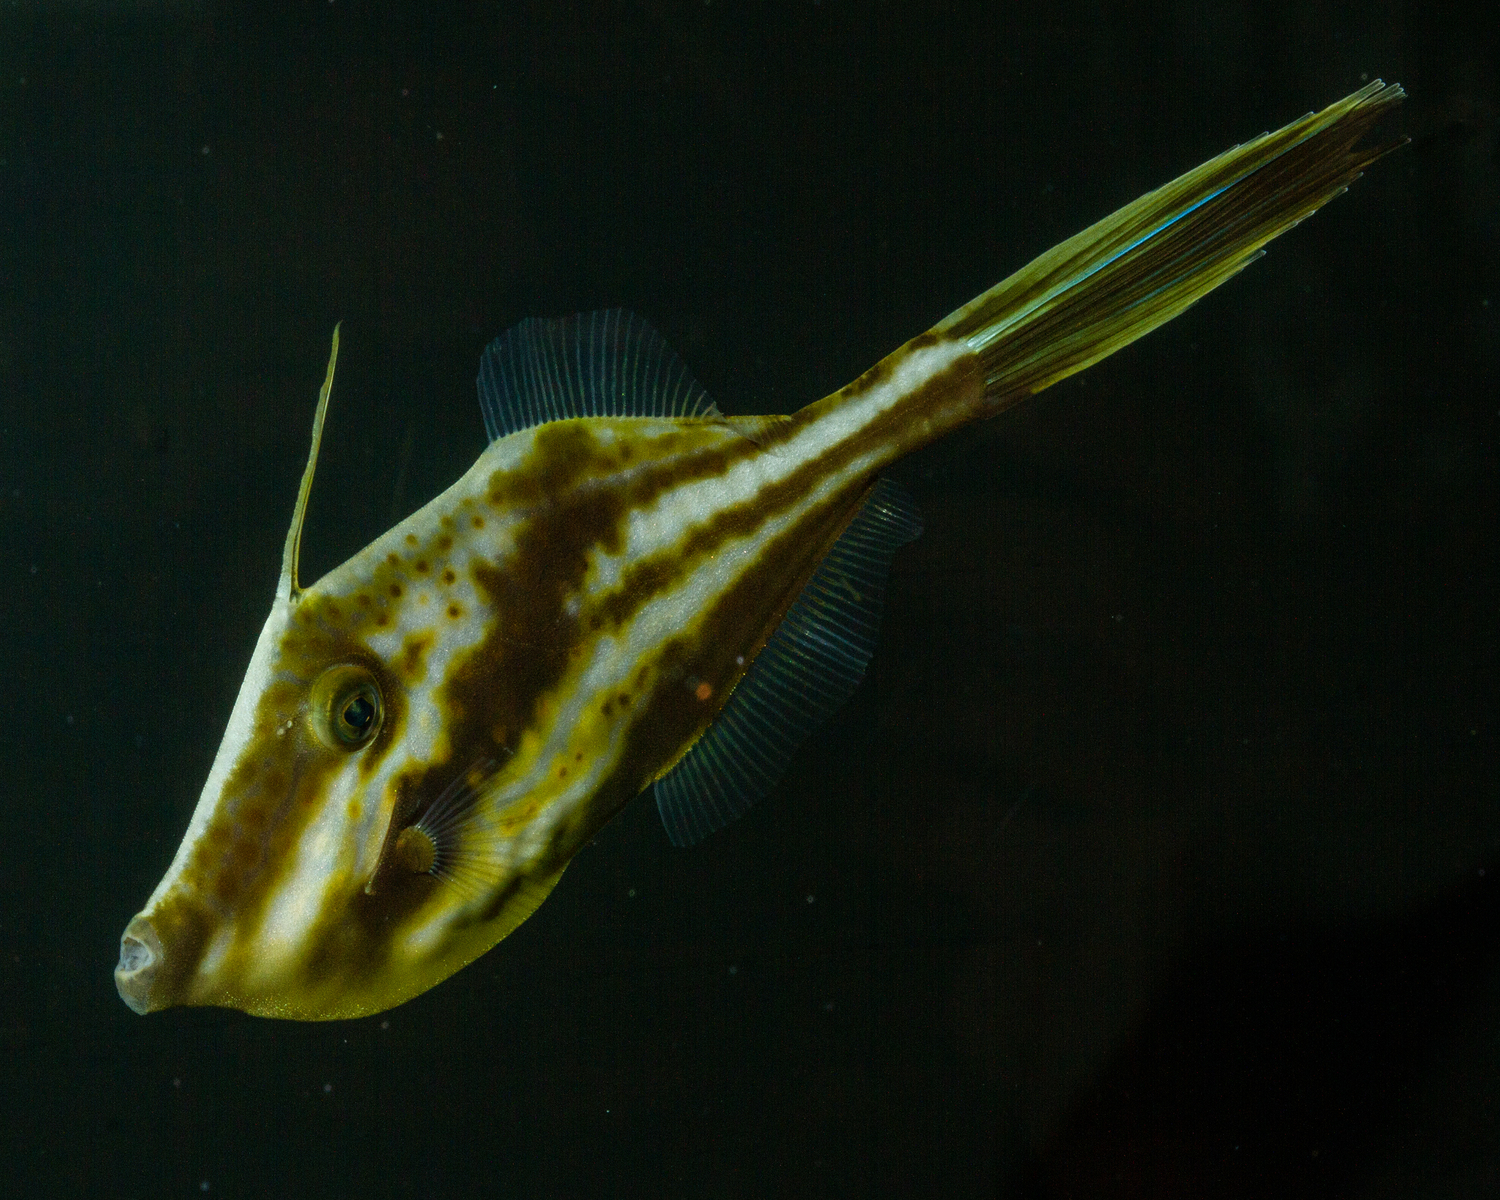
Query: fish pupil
(359, 714)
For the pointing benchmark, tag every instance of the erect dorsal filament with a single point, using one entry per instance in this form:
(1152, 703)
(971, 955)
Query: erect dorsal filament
(289, 586)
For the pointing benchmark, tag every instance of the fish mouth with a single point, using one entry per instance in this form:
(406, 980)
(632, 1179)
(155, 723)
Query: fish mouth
(141, 956)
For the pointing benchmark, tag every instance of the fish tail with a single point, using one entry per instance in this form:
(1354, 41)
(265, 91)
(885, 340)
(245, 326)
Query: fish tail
(1141, 266)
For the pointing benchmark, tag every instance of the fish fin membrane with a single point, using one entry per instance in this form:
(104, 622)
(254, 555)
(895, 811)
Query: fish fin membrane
(1142, 265)
(524, 900)
(759, 430)
(609, 363)
(810, 665)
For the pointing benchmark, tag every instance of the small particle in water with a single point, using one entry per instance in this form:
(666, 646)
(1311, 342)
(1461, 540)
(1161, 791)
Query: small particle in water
(810, 897)
(733, 969)
(739, 660)
(631, 893)
(828, 1006)
(70, 718)
(385, 1024)
(327, 1087)
(203, 1187)
(176, 1081)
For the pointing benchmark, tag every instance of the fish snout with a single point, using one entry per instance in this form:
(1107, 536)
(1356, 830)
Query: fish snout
(141, 956)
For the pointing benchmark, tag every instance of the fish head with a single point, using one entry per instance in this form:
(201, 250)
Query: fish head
(272, 899)
(324, 873)
(338, 861)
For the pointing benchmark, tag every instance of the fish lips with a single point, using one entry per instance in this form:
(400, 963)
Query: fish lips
(141, 958)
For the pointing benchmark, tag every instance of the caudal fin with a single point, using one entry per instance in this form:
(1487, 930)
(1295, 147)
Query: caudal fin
(1141, 266)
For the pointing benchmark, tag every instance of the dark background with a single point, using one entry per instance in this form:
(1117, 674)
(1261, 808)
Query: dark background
(1157, 855)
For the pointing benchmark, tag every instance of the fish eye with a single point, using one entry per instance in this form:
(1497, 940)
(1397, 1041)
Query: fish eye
(346, 708)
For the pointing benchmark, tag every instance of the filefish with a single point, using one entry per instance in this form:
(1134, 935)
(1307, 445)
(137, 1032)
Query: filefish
(627, 592)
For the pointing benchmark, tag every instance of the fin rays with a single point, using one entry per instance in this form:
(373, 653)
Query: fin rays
(609, 363)
(811, 665)
(448, 821)
(1147, 262)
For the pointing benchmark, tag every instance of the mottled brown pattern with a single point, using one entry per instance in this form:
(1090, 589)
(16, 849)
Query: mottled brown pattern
(239, 863)
(571, 497)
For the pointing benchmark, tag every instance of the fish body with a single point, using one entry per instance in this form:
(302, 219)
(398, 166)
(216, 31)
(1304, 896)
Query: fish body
(625, 590)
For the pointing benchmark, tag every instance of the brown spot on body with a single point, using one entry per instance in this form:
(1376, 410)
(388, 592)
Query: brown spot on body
(449, 576)
(413, 655)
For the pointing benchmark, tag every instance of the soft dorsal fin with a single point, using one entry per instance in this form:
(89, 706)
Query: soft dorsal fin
(810, 665)
(609, 363)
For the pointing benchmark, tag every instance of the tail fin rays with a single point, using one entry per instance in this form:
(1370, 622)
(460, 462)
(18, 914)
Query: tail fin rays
(1141, 266)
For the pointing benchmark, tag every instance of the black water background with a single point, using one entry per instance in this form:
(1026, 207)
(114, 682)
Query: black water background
(1156, 856)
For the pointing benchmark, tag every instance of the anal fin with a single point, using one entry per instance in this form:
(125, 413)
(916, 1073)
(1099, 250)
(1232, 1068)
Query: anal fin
(811, 665)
